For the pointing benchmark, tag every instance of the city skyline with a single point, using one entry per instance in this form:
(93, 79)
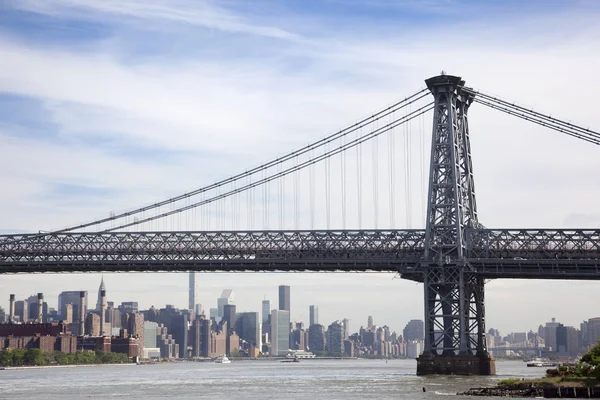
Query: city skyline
(303, 297)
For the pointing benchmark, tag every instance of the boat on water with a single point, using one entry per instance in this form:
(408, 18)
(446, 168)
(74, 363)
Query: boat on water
(541, 362)
(299, 354)
(294, 360)
(222, 360)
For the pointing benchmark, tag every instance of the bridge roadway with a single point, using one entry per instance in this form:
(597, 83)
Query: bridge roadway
(491, 253)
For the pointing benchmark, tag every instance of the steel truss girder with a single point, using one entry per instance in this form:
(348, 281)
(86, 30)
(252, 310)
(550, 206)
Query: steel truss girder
(492, 253)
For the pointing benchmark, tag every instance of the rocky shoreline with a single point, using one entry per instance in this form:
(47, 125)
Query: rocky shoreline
(529, 390)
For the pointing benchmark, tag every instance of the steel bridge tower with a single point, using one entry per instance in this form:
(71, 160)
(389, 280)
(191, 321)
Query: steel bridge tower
(454, 296)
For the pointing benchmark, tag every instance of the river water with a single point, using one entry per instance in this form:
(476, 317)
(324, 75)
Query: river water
(309, 379)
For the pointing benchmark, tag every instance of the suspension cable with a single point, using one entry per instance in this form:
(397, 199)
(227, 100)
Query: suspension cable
(319, 143)
(279, 174)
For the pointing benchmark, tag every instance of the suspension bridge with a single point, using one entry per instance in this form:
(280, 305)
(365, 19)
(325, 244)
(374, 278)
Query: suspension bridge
(452, 256)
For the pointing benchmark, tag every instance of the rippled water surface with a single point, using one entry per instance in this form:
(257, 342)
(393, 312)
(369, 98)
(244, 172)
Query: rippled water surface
(309, 379)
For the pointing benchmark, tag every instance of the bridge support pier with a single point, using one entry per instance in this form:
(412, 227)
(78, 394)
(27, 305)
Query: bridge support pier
(429, 364)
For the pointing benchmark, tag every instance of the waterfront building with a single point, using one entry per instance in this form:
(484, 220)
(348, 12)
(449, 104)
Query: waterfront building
(195, 336)
(284, 298)
(248, 328)
(550, 335)
(134, 324)
(349, 348)
(346, 328)
(229, 316)
(335, 338)
(415, 330)
(567, 341)
(313, 312)
(414, 348)
(150, 335)
(316, 338)
(593, 331)
(280, 332)
(168, 347)
(205, 336)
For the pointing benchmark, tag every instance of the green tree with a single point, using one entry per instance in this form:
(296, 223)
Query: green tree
(17, 357)
(34, 357)
(6, 358)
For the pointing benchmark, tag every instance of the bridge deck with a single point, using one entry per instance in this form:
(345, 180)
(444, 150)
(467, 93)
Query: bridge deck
(523, 254)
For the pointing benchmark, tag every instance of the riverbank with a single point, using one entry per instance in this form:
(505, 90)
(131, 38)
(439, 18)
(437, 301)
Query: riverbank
(64, 366)
(543, 387)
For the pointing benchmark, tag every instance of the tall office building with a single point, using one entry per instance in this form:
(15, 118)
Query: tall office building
(22, 310)
(414, 330)
(370, 322)
(284, 298)
(266, 311)
(100, 289)
(225, 298)
(247, 326)
(550, 335)
(71, 297)
(193, 292)
(346, 327)
(335, 338)
(314, 315)
(229, 316)
(280, 332)
(316, 338)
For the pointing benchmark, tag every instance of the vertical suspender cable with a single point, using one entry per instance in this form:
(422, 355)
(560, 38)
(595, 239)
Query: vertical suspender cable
(296, 183)
(374, 172)
(327, 190)
(391, 175)
(311, 184)
(359, 180)
(343, 173)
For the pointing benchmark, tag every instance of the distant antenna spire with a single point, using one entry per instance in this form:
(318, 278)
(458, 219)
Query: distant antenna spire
(443, 72)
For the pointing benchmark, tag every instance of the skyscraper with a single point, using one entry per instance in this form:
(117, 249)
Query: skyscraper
(100, 289)
(266, 311)
(335, 338)
(414, 330)
(225, 298)
(284, 298)
(71, 297)
(280, 332)
(248, 328)
(193, 293)
(314, 315)
(370, 322)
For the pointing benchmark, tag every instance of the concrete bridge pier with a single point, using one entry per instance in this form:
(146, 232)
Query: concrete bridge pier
(430, 364)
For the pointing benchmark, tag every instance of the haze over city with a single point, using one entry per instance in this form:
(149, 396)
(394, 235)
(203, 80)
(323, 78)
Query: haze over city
(110, 105)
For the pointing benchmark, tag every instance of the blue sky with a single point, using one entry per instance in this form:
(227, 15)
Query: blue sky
(109, 105)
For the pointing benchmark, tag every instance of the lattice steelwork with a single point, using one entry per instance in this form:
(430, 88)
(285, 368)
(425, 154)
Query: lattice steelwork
(450, 284)
(571, 254)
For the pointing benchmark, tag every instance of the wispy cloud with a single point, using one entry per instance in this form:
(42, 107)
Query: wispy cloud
(199, 13)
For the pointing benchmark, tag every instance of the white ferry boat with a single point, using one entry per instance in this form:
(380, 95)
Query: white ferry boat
(222, 360)
(541, 362)
(299, 354)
